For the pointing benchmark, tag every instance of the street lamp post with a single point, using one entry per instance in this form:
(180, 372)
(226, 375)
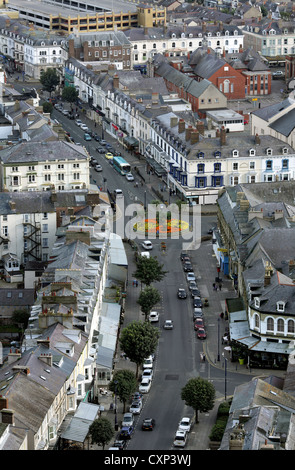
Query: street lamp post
(218, 340)
(116, 418)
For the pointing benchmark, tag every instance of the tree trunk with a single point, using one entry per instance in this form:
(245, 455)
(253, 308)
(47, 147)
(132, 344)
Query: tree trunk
(197, 416)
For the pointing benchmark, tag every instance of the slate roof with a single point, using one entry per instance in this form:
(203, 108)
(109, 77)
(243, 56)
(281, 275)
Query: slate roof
(285, 124)
(26, 202)
(268, 112)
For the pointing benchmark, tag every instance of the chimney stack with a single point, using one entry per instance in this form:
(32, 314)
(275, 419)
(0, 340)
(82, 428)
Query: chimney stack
(181, 126)
(257, 139)
(116, 82)
(188, 132)
(223, 136)
(7, 416)
(194, 137)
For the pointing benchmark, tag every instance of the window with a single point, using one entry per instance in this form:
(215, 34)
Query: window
(201, 168)
(280, 325)
(285, 164)
(256, 321)
(280, 306)
(47, 177)
(217, 167)
(45, 228)
(252, 165)
(291, 326)
(76, 176)
(60, 166)
(269, 165)
(270, 324)
(235, 166)
(45, 243)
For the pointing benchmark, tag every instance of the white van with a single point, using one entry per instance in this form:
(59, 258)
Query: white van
(146, 254)
(118, 193)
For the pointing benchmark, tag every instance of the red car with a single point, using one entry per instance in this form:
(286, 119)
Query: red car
(199, 324)
(201, 333)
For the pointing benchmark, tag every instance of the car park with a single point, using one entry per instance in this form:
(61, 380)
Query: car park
(147, 245)
(168, 325)
(129, 177)
(180, 438)
(190, 277)
(126, 432)
(181, 294)
(148, 424)
(197, 302)
(153, 317)
(98, 167)
(136, 407)
(147, 373)
(128, 419)
(201, 333)
(185, 424)
(145, 385)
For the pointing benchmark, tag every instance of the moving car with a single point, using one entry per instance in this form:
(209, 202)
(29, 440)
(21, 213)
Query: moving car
(129, 177)
(98, 167)
(181, 293)
(201, 333)
(65, 112)
(100, 149)
(153, 317)
(147, 245)
(128, 419)
(136, 407)
(185, 424)
(109, 156)
(145, 385)
(148, 424)
(87, 136)
(168, 325)
(180, 438)
(190, 277)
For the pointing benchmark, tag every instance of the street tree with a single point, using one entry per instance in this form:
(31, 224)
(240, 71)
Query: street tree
(49, 80)
(199, 394)
(149, 270)
(139, 340)
(123, 384)
(101, 431)
(47, 107)
(70, 94)
(148, 298)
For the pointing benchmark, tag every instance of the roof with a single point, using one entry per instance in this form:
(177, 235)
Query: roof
(285, 124)
(78, 427)
(269, 112)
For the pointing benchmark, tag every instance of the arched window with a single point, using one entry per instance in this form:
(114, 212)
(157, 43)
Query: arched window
(256, 321)
(270, 324)
(280, 325)
(291, 326)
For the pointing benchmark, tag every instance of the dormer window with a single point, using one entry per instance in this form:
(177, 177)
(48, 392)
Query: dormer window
(268, 151)
(285, 150)
(257, 302)
(235, 153)
(280, 306)
(252, 152)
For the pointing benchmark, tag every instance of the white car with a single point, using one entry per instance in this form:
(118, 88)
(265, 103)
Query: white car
(128, 419)
(185, 424)
(129, 177)
(148, 363)
(153, 317)
(98, 167)
(190, 277)
(147, 374)
(136, 407)
(78, 122)
(180, 438)
(145, 385)
(147, 245)
(84, 127)
(168, 325)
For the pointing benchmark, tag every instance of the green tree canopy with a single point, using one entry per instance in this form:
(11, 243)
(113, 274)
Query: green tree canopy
(138, 341)
(101, 431)
(199, 394)
(124, 383)
(149, 270)
(47, 107)
(148, 298)
(49, 80)
(70, 94)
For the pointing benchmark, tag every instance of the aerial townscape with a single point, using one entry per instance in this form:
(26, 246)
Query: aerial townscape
(147, 222)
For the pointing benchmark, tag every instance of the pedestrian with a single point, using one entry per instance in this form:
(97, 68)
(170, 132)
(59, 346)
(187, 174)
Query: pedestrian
(220, 286)
(136, 283)
(213, 285)
(95, 124)
(221, 315)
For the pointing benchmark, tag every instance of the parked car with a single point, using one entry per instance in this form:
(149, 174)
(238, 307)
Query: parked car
(147, 373)
(148, 424)
(168, 325)
(187, 267)
(185, 259)
(190, 277)
(65, 112)
(197, 302)
(87, 136)
(103, 142)
(199, 323)
(147, 245)
(181, 294)
(78, 122)
(98, 167)
(192, 285)
(145, 385)
(180, 438)
(136, 407)
(126, 432)
(100, 149)
(201, 333)
(182, 255)
(153, 317)
(84, 127)
(128, 419)
(195, 292)
(198, 313)
(185, 424)
(278, 74)
(148, 363)
(119, 444)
